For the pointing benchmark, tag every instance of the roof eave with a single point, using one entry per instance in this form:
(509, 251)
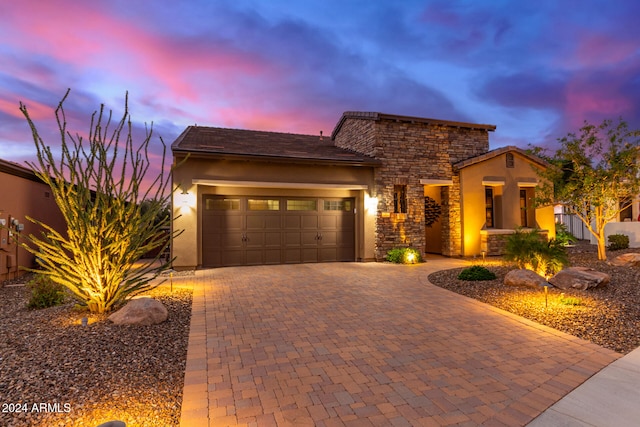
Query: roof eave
(274, 159)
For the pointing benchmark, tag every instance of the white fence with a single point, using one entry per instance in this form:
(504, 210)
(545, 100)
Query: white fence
(574, 226)
(579, 230)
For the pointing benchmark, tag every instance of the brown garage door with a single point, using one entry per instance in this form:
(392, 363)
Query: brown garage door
(276, 230)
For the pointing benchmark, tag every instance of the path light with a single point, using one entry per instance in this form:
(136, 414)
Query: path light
(546, 296)
(484, 254)
(410, 258)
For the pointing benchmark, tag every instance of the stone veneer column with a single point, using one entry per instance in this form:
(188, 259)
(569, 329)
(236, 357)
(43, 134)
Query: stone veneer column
(409, 151)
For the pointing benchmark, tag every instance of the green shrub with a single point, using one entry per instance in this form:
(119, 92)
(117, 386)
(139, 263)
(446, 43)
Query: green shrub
(44, 292)
(531, 250)
(564, 300)
(563, 236)
(618, 241)
(403, 256)
(476, 272)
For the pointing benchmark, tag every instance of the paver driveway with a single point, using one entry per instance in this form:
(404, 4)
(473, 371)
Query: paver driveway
(367, 345)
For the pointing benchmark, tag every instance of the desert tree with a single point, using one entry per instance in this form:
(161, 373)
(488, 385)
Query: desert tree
(99, 183)
(595, 175)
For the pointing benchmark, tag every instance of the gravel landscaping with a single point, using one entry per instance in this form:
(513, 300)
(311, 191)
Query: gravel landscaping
(608, 316)
(56, 372)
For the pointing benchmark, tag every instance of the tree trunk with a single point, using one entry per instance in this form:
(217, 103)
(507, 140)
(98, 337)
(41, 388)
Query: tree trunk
(602, 246)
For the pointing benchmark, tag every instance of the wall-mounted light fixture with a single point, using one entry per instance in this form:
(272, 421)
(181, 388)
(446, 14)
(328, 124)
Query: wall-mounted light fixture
(185, 200)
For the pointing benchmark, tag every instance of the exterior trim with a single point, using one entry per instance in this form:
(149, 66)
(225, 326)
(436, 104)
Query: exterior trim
(262, 184)
(436, 182)
(366, 115)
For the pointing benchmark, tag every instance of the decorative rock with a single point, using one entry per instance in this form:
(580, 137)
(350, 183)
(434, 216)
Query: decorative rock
(579, 278)
(140, 311)
(524, 277)
(626, 260)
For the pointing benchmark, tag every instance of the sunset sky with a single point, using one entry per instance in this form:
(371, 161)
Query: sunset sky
(535, 69)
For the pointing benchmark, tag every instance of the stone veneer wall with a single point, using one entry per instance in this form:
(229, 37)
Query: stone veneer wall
(410, 151)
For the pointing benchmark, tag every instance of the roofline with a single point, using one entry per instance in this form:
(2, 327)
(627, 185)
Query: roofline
(18, 170)
(382, 116)
(205, 154)
(497, 152)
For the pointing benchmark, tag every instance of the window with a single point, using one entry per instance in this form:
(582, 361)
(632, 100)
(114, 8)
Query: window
(626, 210)
(523, 209)
(488, 197)
(220, 204)
(400, 199)
(263, 204)
(301, 205)
(509, 160)
(337, 205)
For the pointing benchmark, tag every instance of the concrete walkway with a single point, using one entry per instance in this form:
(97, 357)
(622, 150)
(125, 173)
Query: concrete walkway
(353, 344)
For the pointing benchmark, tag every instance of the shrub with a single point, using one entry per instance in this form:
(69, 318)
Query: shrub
(530, 250)
(618, 241)
(44, 292)
(564, 300)
(563, 236)
(404, 256)
(476, 272)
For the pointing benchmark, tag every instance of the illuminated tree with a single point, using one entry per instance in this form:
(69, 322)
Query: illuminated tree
(98, 185)
(596, 175)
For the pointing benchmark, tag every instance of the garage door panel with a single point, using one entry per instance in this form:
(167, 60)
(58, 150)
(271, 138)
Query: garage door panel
(231, 258)
(292, 256)
(272, 239)
(276, 230)
(254, 239)
(309, 255)
(254, 257)
(328, 254)
(231, 240)
(273, 256)
(265, 222)
(309, 222)
(329, 222)
(345, 239)
(309, 238)
(329, 238)
(292, 238)
(292, 222)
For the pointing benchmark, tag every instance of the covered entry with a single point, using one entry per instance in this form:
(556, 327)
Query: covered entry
(246, 230)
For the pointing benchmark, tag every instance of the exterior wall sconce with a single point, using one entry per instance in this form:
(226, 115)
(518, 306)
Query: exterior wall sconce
(185, 200)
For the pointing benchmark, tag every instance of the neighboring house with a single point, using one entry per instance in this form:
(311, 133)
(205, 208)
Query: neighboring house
(22, 194)
(380, 181)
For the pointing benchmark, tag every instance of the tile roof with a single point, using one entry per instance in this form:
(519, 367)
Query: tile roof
(495, 153)
(265, 145)
(367, 115)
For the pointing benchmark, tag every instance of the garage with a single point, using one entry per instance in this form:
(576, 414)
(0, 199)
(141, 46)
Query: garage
(246, 230)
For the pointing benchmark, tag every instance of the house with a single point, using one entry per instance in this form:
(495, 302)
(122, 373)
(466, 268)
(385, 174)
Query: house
(379, 181)
(22, 195)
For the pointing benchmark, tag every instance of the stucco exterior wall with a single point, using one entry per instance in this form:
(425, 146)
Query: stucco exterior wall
(249, 178)
(473, 181)
(21, 197)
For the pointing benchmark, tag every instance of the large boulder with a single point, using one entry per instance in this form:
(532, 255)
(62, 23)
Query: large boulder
(140, 311)
(579, 278)
(524, 277)
(626, 260)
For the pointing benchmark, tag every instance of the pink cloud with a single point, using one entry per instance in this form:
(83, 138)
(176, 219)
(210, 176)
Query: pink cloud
(78, 34)
(601, 50)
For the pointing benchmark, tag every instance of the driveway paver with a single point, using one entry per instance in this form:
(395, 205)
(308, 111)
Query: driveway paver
(367, 344)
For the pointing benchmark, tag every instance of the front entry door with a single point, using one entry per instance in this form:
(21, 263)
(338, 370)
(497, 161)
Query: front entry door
(432, 215)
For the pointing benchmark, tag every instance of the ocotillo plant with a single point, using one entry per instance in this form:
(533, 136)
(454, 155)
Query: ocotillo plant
(98, 185)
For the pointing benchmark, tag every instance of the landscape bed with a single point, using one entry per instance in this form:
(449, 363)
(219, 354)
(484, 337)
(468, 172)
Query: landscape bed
(608, 316)
(56, 372)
